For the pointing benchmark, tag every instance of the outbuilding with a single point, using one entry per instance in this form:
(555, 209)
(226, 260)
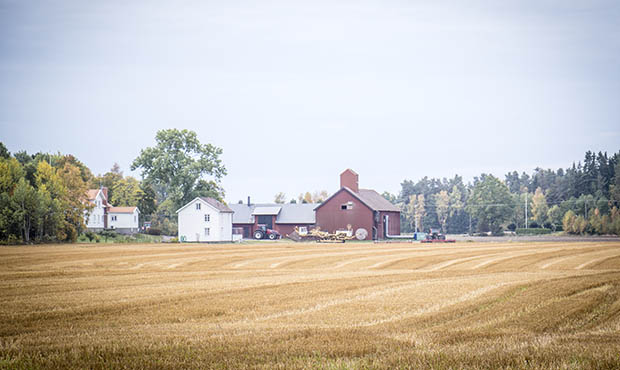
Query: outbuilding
(280, 217)
(205, 220)
(364, 210)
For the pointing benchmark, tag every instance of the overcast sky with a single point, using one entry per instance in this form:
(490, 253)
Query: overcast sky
(296, 92)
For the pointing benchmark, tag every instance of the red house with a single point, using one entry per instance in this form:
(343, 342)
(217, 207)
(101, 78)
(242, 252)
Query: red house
(361, 208)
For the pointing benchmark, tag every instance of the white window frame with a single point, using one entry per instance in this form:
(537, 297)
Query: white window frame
(198, 206)
(207, 217)
(207, 231)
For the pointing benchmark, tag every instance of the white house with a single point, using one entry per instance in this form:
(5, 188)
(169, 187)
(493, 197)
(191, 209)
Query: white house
(124, 220)
(205, 220)
(96, 219)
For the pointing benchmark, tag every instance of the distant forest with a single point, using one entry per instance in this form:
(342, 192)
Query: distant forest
(583, 198)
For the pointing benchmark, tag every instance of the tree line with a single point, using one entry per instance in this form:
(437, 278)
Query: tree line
(43, 196)
(583, 198)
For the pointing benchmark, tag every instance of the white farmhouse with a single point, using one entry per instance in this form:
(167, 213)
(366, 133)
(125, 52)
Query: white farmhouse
(124, 220)
(103, 215)
(205, 220)
(97, 218)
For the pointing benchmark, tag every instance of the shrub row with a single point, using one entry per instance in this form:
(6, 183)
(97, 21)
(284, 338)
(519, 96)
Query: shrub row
(537, 231)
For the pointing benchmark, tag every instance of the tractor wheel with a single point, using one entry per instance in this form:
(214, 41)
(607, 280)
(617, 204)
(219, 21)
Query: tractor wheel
(272, 236)
(258, 234)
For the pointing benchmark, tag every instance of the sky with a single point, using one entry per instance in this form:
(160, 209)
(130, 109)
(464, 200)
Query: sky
(296, 92)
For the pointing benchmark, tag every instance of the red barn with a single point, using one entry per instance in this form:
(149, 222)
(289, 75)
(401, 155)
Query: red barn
(361, 208)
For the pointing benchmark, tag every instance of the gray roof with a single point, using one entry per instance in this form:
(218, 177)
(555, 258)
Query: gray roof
(266, 211)
(376, 201)
(289, 213)
(302, 213)
(217, 204)
(243, 213)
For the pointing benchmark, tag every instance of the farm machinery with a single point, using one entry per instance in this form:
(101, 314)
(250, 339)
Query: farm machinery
(435, 236)
(303, 234)
(262, 232)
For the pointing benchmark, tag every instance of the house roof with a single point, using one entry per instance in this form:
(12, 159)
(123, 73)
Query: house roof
(123, 209)
(221, 207)
(290, 213)
(217, 204)
(91, 194)
(369, 197)
(266, 211)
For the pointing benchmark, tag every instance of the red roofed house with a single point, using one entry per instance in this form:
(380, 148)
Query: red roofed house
(361, 208)
(103, 216)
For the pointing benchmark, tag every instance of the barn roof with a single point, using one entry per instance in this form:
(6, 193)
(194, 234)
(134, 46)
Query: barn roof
(297, 214)
(290, 213)
(369, 197)
(266, 211)
(376, 201)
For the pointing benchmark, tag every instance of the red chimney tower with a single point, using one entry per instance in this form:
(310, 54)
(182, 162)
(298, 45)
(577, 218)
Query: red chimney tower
(350, 179)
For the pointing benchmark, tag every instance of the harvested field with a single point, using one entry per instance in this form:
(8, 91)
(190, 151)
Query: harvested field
(280, 305)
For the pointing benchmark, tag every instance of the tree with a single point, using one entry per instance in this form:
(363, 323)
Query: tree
(415, 212)
(442, 204)
(4, 152)
(555, 215)
(280, 198)
(320, 196)
(108, 180)
(23, 203)
(73, 204)
(305, 198)
(491, 203)
(126, 193)
(147, 202)
(539, 207)
(177, 163)
(568, 222)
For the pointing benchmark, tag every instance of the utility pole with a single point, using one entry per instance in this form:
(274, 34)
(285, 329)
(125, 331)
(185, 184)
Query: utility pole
(526, 210)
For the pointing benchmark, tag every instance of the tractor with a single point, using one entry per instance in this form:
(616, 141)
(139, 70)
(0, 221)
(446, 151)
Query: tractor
(265, 233)
(435, 236)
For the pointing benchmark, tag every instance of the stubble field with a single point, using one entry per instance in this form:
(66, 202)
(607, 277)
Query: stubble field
(281, 305)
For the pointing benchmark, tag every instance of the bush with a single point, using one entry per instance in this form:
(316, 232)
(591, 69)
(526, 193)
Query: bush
(548, 225)
(90, 235)
(153, 231)
(534, 225)
(512, 227)
(533, 231)
(174, 240)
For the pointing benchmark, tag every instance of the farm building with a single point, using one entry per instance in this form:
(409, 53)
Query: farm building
(124, 220)
(205, 220)
(280, 217)
(97, 218)
(361, 208)
(103, 215)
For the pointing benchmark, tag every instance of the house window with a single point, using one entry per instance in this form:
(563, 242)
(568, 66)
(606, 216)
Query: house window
(345, 206)
(135, 218)
(197, 205)
(113, 218)
(207, 231)
(207, 217)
